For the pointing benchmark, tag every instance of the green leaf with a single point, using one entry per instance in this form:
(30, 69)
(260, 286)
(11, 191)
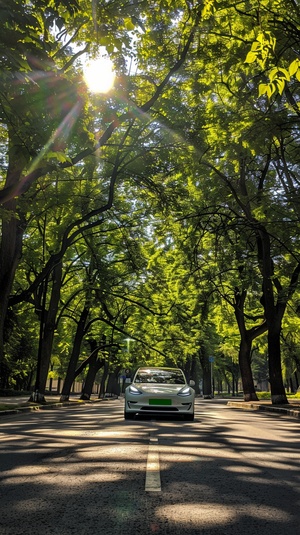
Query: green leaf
(280, 85)
(256, 46)
(60, 156)
(273, 73)
(294, 66)
(262, 89)
(251, 57)
(129, 24)
(271, 89)
(285, 72)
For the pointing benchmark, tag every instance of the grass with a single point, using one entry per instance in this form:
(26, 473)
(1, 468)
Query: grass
(7, 407)
(267, 395)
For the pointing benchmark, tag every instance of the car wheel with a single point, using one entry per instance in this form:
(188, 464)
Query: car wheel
(129, 415)
(189, 417)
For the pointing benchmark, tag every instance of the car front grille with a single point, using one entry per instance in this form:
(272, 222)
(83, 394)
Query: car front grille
(155, 408)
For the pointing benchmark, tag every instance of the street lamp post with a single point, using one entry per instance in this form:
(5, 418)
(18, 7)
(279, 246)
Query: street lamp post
(128, 340)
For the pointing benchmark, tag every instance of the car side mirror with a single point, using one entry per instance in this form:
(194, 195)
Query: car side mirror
(192, 383)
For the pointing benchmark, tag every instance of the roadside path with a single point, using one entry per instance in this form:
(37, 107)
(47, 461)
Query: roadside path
(293, 409)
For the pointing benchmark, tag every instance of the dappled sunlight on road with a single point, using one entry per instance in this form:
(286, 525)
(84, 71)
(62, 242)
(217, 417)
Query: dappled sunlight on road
(218, 514)
(240, 469)
(192, 515)
(71, 464)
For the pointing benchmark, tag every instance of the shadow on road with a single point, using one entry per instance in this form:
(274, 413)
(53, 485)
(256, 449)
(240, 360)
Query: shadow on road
(82, 471)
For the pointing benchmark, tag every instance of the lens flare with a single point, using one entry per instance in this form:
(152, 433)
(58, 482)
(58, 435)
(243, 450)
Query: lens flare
(99, 75)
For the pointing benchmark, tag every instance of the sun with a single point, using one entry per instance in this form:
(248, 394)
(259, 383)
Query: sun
(99, 75)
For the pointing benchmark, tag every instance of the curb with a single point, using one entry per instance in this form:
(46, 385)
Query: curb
(264, 408)
(42, 407)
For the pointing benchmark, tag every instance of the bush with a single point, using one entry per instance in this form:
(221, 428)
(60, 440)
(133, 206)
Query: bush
(267, 395)
(263, 395)
(294, 396)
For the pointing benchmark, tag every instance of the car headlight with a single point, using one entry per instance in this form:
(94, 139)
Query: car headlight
(186, 391)
(134, 390)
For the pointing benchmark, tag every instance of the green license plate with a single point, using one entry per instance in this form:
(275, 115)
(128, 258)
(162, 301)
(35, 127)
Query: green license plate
(160, 401)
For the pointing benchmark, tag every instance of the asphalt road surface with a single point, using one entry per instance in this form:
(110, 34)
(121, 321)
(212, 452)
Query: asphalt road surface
(86, 471)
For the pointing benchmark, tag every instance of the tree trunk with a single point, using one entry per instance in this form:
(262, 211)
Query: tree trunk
(278, 394)
(103, 380)
(233, 384)
(10, 253)
(90, 378)
(228, 386)
(47, 334)
(70, 375)
(58, 385)
(12, 228)
(206, 370)
(292, 389)
(274, 312)
(296, 380)
(247, 336)
(112, 383)
(94, 366)
(245, 369)
(195, 374)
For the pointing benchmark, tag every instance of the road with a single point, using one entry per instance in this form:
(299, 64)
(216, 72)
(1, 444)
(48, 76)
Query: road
(86, 471)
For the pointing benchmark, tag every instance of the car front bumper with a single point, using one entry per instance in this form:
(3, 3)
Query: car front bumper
(184, 405)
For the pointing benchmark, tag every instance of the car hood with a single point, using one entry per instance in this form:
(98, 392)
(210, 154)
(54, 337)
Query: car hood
(159, 389)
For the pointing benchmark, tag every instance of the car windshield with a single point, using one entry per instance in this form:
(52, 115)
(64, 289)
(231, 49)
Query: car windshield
(169, 377)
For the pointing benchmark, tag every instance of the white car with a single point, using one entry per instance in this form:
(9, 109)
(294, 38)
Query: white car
(161, 391)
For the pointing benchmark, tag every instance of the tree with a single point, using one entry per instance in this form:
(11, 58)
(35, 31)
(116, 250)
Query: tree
(276, 39)
(242, 160)
(43, 32)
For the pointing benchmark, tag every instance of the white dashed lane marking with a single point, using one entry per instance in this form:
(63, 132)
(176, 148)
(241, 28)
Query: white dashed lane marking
(152, 482)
